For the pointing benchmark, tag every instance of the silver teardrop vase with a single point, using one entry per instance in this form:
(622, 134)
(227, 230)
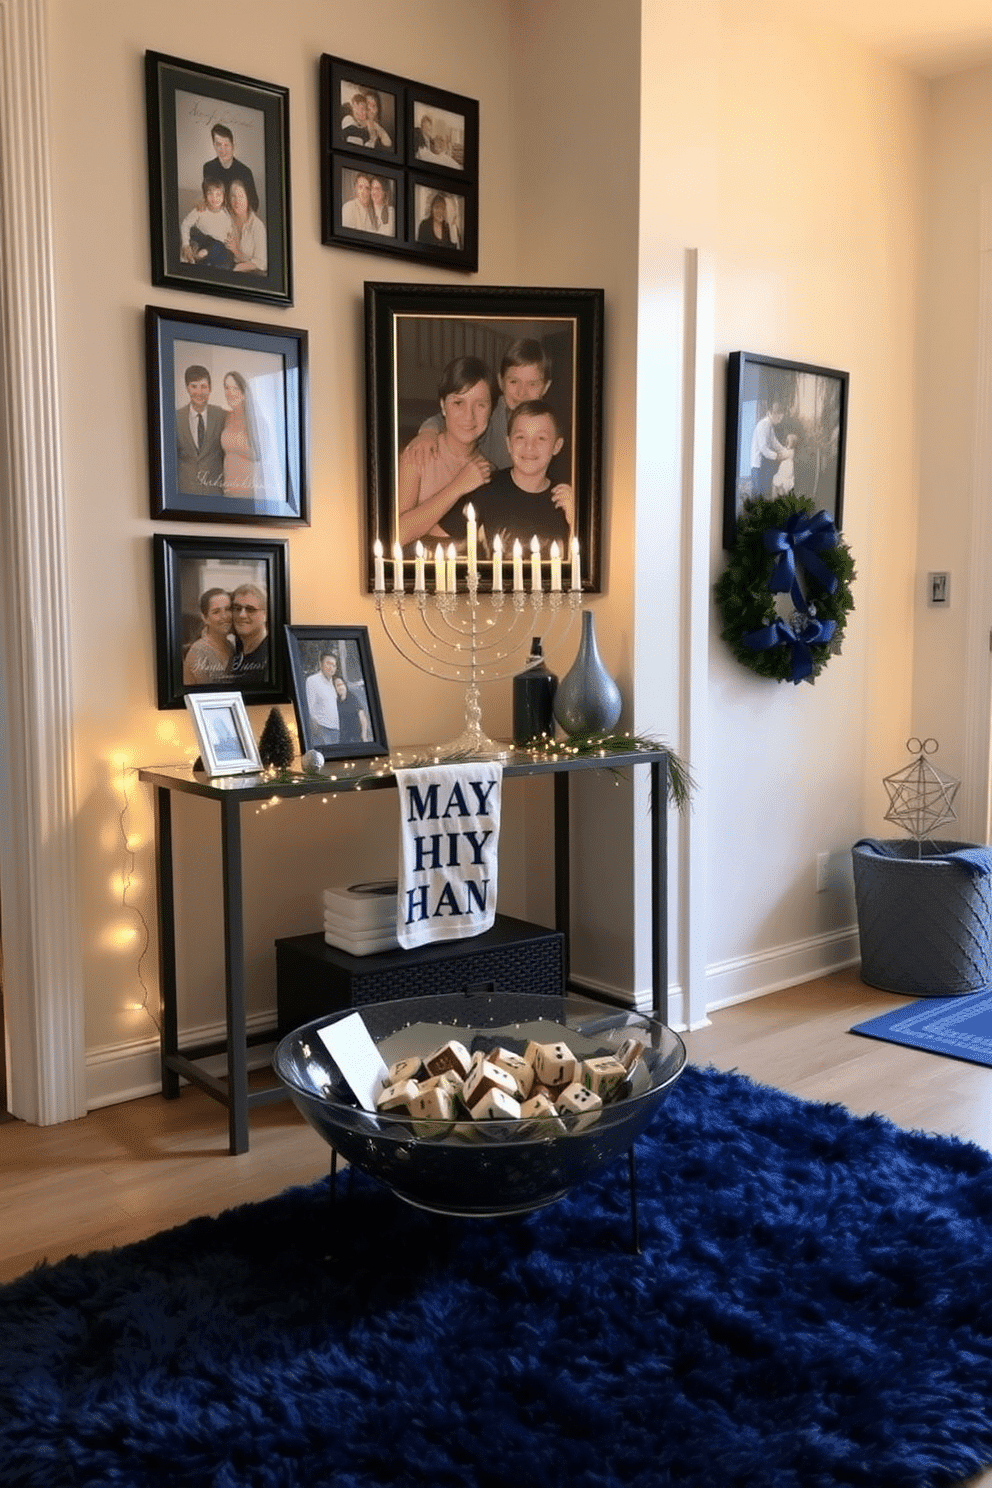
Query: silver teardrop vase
(588, 700)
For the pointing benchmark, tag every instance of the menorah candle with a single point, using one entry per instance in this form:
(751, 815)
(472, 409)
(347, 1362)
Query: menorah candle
(576, 565)
(419, 582)
(535, 565)
(440, 582)
(471, 538)
(497, 564)
(380, 568)
(555, 567)
(452, 577)
(518, 567)
(397, 569)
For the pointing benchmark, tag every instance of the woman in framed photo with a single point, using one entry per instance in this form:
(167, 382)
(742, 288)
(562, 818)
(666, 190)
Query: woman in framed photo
(242, 440)
(209, 658)
(248, 241)
(432, 485)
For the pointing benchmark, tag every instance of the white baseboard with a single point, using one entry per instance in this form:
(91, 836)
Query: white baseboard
(124, 1072)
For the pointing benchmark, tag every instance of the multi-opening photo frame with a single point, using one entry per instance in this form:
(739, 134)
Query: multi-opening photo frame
(399, 166)
(454, 376)
(228, 424)
(786, 431)
(223, 732)
(335, 693)
(220, 610)
(218, 180)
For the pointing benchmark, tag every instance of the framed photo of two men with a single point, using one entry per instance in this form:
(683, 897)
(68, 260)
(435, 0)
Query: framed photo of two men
(218, 181)
(399, 165)
(490, 398)
(228, 428)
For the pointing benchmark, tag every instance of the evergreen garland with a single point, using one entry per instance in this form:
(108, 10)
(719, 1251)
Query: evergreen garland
(747, 605)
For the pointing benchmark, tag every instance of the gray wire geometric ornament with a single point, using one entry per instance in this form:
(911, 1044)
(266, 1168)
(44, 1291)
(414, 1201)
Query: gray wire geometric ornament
(920, 795)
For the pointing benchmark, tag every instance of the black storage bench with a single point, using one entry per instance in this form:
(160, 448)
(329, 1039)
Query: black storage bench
(313, 978)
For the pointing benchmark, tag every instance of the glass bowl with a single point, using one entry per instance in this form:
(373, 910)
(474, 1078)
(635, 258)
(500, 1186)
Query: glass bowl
(479, 1168)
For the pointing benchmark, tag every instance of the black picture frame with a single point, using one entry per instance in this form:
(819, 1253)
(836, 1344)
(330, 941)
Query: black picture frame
(813, 405)
(414, 331)
(377, 170)
(268, 367)
(349, 644)
(187, 568)
(185, 103)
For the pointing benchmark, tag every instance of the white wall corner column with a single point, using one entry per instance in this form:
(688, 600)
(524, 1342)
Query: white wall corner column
(976, 816)
(697, 507)
(43, 992)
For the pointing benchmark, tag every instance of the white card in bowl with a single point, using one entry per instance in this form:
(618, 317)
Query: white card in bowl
(353, 1050)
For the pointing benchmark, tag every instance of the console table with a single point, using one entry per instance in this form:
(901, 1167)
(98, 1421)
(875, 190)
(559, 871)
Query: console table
(233, 792)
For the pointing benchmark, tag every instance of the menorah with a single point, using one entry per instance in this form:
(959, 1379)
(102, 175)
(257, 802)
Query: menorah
(470, 637)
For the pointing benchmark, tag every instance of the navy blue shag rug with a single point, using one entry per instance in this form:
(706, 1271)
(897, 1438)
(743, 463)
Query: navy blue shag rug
(812, 1307)
(960, 1027)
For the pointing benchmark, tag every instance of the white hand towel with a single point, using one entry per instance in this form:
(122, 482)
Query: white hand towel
(448, 857)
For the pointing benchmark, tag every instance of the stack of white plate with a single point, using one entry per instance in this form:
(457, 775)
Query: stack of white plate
(361, 918)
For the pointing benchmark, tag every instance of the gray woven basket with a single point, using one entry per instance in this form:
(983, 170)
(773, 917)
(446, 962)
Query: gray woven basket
(925, 926)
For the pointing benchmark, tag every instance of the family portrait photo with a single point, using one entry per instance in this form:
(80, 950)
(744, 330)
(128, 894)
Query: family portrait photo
(227, 419)
(219, 187)
(335, 693)
(486, 400)
(438, 136)
(786, 427)
(220, 610)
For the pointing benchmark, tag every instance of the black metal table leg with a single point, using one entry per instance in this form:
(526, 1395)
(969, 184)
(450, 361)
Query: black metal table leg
(234, 977)
(659, 880)
(168, 1014)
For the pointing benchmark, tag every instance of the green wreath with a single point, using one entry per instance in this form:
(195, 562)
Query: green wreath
(784, 546)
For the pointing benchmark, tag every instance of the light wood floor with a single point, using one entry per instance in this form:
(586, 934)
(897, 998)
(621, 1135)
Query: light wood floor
(124, 1172)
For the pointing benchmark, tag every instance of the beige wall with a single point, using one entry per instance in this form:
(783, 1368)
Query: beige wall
(795, 160)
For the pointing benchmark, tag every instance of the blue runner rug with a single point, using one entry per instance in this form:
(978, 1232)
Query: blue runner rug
(812, 1308)
(960, 1027)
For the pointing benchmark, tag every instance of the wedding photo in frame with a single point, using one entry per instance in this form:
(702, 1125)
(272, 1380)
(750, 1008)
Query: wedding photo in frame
(447, 368)
(228, 424)
(221, 607)
(335, 693)
(399, 166)
(228, 418)
(223, 732)
(786, 431)
(218, 178)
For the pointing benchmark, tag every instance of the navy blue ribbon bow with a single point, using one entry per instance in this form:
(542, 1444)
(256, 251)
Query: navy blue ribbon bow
(801, 539)
(814, 632)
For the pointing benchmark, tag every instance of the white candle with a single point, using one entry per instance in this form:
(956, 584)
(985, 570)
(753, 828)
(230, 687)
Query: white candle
(440, 582)
(380, 569)
(518, 567)
(535, 566)
(471, 537)
(452, 577)
(419, 582)
(555, 567)
(397, 569)
(497, 564)
(576, 565)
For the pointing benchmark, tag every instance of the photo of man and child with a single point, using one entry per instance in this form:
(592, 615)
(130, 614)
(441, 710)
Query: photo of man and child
(496, 435)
